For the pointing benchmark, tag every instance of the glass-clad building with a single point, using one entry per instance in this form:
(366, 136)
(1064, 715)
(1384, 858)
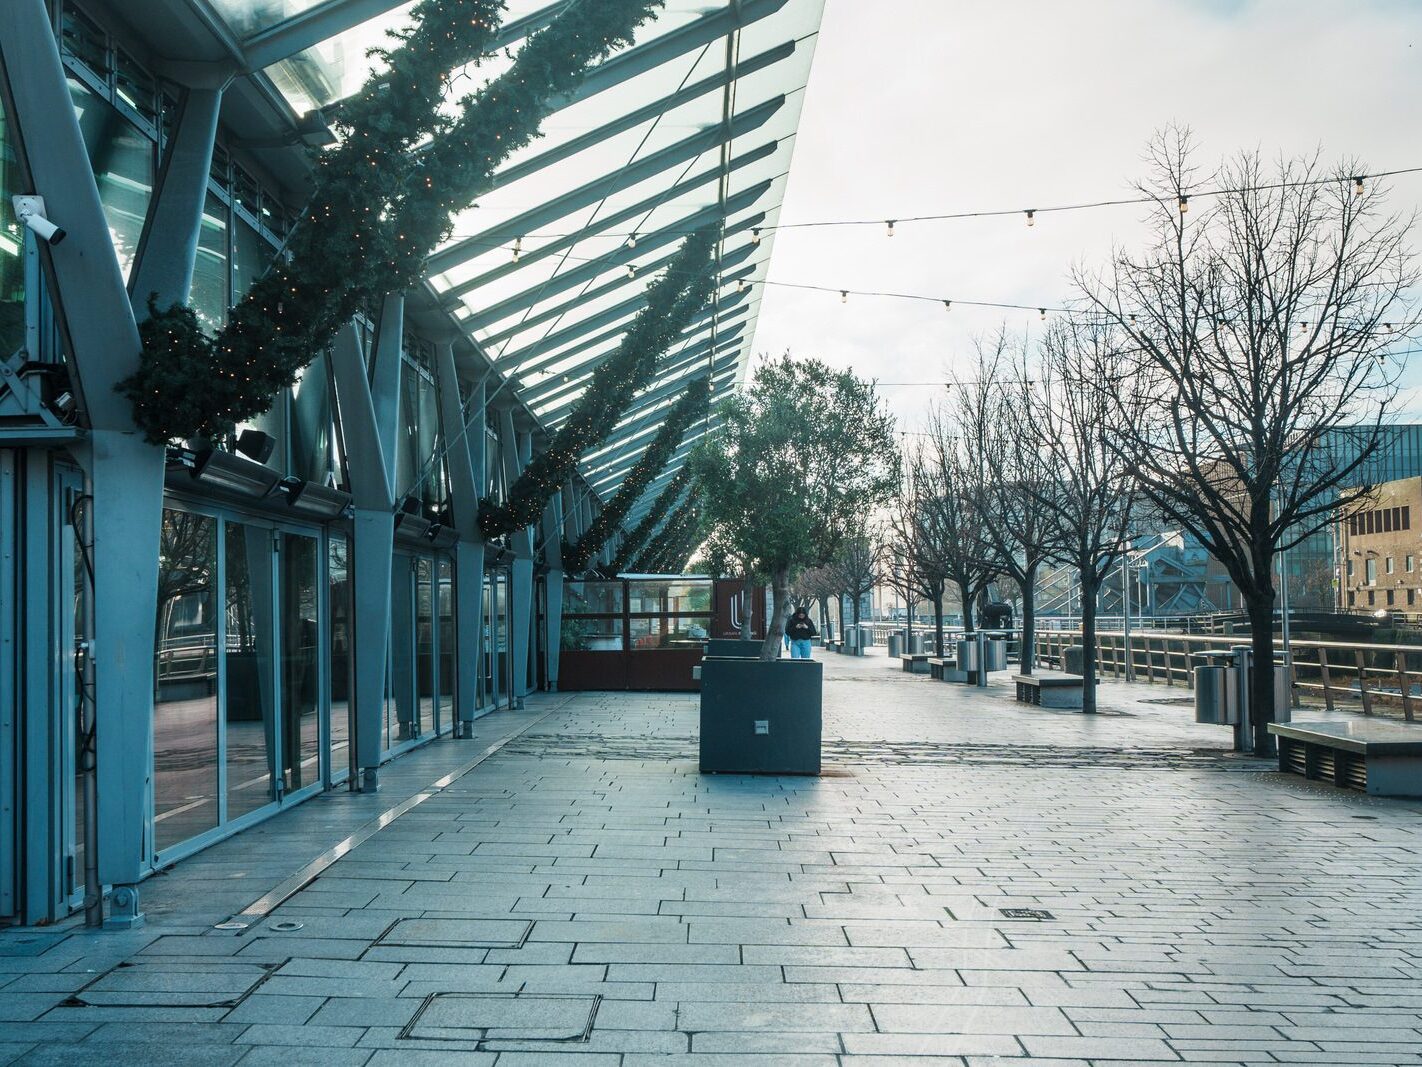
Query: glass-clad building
(196, 635)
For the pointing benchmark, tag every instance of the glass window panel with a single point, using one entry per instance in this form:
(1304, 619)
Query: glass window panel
(669, 596)
(592, 598)
(85, 41)
(251, 255)
(300, 719)
(12, 246)
(425, 644)
(122, 159)
(591, 635)
(338, 66)
(338, 602)
(447, 647)
(663, 632)
(247, 17)
(250, 714)
(185, 801)
(210, 297)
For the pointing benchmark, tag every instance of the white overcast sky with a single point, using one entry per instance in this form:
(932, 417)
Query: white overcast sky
(928, 106)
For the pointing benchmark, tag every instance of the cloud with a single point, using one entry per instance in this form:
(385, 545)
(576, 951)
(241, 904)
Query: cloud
(926, 106)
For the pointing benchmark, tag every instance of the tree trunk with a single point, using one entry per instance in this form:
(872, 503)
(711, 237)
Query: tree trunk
(1088, 643)
(775, 626)
(826, 633)
(750, 606)
(938, 621)
(1261, 676)
(1028, 654)
(965, 592)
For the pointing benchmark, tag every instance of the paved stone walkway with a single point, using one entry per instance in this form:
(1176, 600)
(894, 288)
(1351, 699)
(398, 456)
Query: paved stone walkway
(972, 882)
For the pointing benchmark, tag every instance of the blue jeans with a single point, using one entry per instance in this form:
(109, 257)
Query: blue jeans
(800, 649)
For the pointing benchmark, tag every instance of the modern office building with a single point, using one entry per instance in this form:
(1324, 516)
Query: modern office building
(221, 632)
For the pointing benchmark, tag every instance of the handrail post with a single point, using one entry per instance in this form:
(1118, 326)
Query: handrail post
(1399, 662)
(1323, 675)
(1366, 696)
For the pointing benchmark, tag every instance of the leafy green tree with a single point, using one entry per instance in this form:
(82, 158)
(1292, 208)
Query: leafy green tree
(806, 452)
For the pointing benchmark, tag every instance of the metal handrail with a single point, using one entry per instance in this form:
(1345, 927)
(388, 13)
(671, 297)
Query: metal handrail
(1337, 670)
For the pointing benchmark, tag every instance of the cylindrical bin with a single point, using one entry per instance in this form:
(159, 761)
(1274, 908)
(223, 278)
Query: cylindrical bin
(896, 643)
(1216, 688)
(1074, 659)
(919, 645)
(995, 649)
(967, 654)
(1283, 691)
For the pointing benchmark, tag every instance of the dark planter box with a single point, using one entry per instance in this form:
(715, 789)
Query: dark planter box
(761, 717)
(733, 647)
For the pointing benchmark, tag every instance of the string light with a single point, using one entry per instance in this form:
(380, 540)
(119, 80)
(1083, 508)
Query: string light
(631, 270)
(1031, 216)
(632, 240)
(890, 225)
(517, 248)
(947, 305)
(755, 235)
(1184, 204)
(1042, 314)
(741, 286)
(1358, 185)
(844, 296)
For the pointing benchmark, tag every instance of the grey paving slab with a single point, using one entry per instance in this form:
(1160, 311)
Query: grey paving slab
(1201, 907)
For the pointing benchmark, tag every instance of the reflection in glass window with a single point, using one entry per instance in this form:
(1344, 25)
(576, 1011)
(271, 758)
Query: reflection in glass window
(247, 17)
(185, 691)
(592, 598)
(445, 614)
(665, 632)
(338, 604)
(210, 297)
(669, 595)
(335, 68)
(251, 682)
(251, 255)
(591, 635)
(122, 159)
(300, 721)
(12, 245)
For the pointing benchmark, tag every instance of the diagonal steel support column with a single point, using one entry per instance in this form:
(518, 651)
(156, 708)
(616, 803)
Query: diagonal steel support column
(517, 448)
(124, 472)
(552, 532)
(463, 433)
(373, 537)
(164, 268)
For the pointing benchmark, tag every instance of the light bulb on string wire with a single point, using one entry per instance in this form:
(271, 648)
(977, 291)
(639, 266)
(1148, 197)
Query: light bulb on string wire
(890, 225)
(947, 305)
(632, 240)
(631, 270)
(844, 296)
(1031, 217)
(1358, 185)
(517, 248)
(1042, 314)
(1184, 204)
(755, 235)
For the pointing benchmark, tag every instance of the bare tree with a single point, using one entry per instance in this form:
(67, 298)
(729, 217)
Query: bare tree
(857, 567)
(947, 489)
(1091, 494)
(1260, 326)
(817, 585)
(994, 413)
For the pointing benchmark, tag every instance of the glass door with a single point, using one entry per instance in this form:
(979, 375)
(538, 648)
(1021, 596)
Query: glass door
(445, 647)
(426, 644)
(249, 659)
(338, 588)
(298, 575)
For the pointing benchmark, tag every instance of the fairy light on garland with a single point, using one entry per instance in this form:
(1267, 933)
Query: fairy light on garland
(660, 508)
(675, 298)
(689, 408)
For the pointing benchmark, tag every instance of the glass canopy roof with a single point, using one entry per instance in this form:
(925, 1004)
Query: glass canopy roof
(693, 123)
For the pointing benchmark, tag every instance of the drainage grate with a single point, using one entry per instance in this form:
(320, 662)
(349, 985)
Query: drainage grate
(1025, 913)
(555, 1017)
(457, 933)
(205, 983)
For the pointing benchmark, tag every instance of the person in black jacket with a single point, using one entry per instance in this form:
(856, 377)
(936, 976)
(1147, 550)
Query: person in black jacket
(799, 630)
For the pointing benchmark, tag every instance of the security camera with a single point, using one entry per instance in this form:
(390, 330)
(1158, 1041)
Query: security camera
(30, 211)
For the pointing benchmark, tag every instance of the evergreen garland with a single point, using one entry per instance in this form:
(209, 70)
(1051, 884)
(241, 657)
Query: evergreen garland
(673, 300)
(661, 508)
(685, 518)
(693, 405)
(381, 205)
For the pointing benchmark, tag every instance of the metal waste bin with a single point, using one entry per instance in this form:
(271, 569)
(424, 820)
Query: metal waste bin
(1283, 690)
(996, 653)
(896, 643)
(918, 645)
(967, 654)
(1216, 688)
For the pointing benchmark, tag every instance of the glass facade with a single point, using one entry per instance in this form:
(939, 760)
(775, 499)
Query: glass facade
(12, 249)
(123, 160)
(248, 654)
(185, 730)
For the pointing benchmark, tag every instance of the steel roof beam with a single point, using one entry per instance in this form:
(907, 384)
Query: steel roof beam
(610, 222)
(600, 188)
(623, 255)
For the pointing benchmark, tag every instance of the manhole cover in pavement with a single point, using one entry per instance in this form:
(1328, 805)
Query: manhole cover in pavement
(172, 984)
(503, 1017)
(1025, 913)
(457, 933)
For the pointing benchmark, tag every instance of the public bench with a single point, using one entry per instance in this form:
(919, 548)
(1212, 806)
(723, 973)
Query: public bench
(1049, 689)
(938, 665)
(1377, 756)
(915, 663)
